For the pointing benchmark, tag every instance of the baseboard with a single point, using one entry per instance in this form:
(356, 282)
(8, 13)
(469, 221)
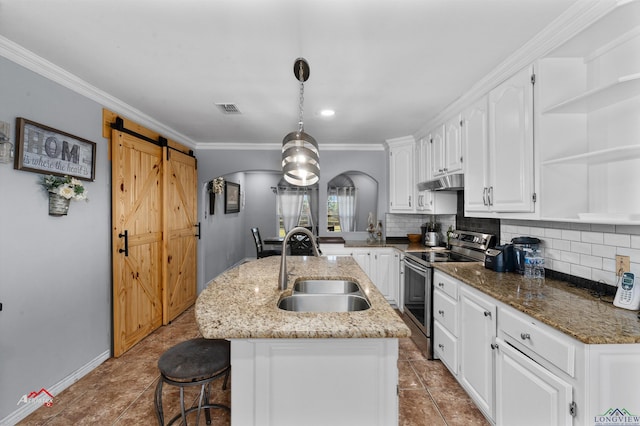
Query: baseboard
(26, 409)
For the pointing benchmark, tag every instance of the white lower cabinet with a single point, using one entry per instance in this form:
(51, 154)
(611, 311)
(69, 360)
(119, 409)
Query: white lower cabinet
(528, 393)
(445, 320)
(382, 265)
(477, 332)
(520, 371)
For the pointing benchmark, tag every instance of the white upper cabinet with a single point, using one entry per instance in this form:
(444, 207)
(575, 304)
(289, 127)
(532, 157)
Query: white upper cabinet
(446, 148)
(401, 175)
(511, 184)
(497, 133)
(453, 145)
(587, 132)
(476, 169)
(437, 152)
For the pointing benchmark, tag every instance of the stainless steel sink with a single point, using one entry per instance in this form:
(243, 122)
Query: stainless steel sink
(326, 287)
(324, 303)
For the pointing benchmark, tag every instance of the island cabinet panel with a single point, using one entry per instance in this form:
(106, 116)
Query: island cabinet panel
(338, 382)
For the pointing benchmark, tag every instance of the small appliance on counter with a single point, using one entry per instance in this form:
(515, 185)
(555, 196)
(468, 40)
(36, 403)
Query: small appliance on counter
(500, 258)
(519, 246)
(430, 234)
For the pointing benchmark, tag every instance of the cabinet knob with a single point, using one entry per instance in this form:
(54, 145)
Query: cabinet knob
(441, 346)
(441, 312)
(525, 336)
(487, 314)
(440, 285)
(494, 346)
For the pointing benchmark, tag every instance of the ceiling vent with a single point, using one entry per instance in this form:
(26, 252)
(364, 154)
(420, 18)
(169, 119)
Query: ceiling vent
(229, 108)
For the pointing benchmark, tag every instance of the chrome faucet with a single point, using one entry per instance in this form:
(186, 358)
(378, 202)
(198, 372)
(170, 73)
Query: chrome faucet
(282, 277)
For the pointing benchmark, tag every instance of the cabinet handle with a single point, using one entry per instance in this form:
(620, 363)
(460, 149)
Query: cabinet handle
(494, 346)
(440, 285)
(441, 346)
(484, 196)
(441, 312)
(487, 314)
(525, 336)
(409, 200)
(491, 195)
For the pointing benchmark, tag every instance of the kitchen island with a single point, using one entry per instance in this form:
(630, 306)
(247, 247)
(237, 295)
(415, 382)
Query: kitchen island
(292, 368)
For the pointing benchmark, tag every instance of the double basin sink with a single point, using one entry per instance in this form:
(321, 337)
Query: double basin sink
(325, 295)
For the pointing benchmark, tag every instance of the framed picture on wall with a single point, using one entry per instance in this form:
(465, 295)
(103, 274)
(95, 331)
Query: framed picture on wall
(43, 149)
(231, 197)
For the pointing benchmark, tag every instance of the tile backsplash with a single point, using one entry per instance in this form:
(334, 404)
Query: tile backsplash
(584, 250)
(399, 225)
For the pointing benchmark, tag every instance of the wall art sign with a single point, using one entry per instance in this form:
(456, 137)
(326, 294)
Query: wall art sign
(231, 197)
(42, 149)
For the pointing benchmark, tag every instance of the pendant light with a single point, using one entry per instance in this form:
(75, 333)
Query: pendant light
(300, 159)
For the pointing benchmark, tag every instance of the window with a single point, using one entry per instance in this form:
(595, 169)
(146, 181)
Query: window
(305, 220)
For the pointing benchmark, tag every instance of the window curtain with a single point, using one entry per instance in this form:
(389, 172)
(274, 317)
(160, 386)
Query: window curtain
(313, 206)
(290, 206)
(346, 197)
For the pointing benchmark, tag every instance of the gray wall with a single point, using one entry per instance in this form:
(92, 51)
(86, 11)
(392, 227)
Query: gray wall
(219, 249)
(55, 274)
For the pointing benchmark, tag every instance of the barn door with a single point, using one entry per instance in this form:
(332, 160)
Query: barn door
(136, 178)
(180, 232)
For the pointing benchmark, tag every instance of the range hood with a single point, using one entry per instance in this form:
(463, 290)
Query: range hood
(453, 182)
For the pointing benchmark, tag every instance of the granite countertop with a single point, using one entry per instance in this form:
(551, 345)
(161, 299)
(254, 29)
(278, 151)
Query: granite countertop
(573, 311)
(241, 303)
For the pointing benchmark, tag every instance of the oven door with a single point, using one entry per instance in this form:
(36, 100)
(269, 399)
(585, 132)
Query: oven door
(417, 294)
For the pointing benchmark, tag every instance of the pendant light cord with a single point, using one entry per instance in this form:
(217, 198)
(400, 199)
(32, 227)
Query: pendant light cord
(301, 104)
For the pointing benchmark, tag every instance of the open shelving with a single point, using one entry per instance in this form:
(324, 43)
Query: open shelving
(622, 89)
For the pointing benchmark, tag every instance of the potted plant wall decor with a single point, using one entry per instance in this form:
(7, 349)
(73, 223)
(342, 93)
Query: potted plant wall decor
(61, 190)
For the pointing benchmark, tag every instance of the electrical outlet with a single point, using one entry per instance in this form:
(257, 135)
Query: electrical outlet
(622, 265)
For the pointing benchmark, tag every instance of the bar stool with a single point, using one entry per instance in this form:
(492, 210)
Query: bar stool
(195, 362)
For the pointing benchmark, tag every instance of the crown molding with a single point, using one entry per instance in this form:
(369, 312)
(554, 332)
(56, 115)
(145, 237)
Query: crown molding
(29, 60)
(575, 19)
(235, 146)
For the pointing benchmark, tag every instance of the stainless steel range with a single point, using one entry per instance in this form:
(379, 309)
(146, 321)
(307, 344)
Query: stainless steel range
(465, 246)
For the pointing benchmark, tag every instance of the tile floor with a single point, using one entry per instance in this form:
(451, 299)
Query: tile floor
(121, 391)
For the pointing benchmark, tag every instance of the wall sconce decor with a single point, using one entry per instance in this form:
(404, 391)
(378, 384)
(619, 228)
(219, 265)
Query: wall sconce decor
(6, 147)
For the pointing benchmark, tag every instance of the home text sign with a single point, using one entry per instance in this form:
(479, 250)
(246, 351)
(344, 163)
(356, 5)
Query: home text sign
(42, 149)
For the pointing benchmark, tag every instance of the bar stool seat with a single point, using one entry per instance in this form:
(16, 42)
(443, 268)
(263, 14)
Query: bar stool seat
(195, 362)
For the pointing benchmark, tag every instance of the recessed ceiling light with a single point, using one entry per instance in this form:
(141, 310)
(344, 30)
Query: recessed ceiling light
(327, 113)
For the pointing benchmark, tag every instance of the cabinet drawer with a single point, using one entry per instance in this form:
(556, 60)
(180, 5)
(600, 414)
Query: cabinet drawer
(445, 347)
(445, 311)
(537, 340)
(444, 282)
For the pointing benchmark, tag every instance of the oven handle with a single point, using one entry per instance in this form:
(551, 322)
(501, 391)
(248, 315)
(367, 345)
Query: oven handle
(415, 266)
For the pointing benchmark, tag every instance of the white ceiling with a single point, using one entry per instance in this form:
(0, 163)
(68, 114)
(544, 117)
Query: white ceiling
(385, 66)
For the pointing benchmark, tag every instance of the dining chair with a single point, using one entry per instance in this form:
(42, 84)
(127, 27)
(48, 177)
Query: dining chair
(260, 251)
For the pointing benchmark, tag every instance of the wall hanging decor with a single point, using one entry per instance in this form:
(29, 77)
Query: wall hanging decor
(61, 190)
(231, 197)
(42, 149)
